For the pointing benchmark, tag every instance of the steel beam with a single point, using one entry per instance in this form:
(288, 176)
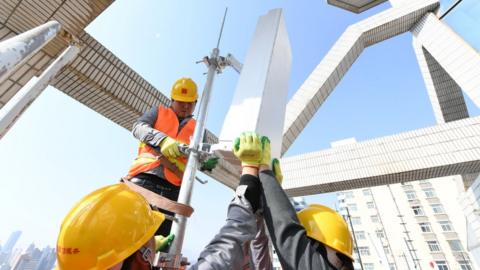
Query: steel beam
(16, 50)
(10, 113)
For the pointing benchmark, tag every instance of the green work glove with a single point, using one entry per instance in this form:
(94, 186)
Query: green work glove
(162, 243)
(169, 148)
(277, 171)
(209, 165)
(266, 156)
(248, 148)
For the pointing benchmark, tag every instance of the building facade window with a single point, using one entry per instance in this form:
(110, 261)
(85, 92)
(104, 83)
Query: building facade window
(411, 195)
(437, 209)
(368, 266)
(433, 246)
(418, 211)
(446, 226)
(392, 266)
(425, 227)
(370, 205)
(380, 234)
(387, 250)
(367, 192)
(352, 206)
(360, 235)
(441, 265)
(349, 195)
(429, 192)
(356, 220)
(364, 251)
(375, 219)
(455, 245)
(407, 187)
(465, 265)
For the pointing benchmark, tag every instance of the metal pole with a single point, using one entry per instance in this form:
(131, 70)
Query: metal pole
(178, 228)
(10, 113)
(16, 50)
(406, 261)
(450, 9)
(354, 237)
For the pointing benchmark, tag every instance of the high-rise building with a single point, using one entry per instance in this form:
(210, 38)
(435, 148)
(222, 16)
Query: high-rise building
(6, 251)
(28, 260)
(414, 225)
(47, 259)
(12, 240)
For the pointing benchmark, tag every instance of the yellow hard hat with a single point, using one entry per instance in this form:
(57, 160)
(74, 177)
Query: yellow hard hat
(328, 227)
(185, 90)
(105, 228)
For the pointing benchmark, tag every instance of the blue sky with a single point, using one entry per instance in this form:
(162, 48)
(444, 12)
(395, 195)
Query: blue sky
(61, 150)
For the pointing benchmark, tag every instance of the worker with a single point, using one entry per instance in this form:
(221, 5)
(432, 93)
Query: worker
(315, 238)
(114, 227)
(159, 165)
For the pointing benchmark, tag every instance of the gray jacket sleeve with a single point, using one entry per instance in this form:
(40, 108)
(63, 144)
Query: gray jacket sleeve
(226, 251)
(143, 129)
(294, 249)
(259, 248)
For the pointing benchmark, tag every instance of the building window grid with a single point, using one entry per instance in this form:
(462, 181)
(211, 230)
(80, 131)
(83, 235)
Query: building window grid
(368, 266)
(441, 265)
(367, 192)
(465, 265)
(364, 251)
(433, 246)
(418, 210)
(352, 207)
(356, 220)
(425, 227)
(438, 209)
(348, 195)
(411, 194)
(370, 205)
(429, 192)
(455, 245)
(380, 234)
(375, 219)
(446, 225)
(360, 235)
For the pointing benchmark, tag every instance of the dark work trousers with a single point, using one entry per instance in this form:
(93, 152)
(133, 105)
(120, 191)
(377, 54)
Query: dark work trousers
(161, 187)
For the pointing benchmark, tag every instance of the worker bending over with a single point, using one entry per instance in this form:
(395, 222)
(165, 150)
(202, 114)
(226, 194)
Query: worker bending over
(114, 227)
(159, 165)
(315, 238)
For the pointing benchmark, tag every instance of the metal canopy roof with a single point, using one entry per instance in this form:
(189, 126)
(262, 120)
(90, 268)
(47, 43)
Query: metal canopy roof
(17, 16)
(356, 6)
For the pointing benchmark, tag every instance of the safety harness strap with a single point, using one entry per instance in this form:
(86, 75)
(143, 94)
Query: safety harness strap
(160, 201)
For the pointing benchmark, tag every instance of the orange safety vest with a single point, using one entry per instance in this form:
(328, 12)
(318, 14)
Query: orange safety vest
(148, 158)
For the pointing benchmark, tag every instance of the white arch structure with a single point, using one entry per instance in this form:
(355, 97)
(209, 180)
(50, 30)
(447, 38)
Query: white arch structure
(448, 65)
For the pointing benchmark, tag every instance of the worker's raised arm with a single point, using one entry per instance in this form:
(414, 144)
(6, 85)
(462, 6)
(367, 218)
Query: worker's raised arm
(294, 249)
(226, 250)
(144, 129)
